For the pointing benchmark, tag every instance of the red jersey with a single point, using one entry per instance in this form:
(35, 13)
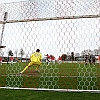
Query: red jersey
(0, 58)
(52, 58)
(99, 57)
(48, 57)
(11, 58)
(59, 58)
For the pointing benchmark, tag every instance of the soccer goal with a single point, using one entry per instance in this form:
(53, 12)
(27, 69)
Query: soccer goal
(68, 36)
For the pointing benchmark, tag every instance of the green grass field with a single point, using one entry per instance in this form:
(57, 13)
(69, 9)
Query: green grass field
(53, 76)
(58, 76)
(7, 94)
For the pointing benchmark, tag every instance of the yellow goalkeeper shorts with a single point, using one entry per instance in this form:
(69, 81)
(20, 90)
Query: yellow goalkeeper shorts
(34, 63)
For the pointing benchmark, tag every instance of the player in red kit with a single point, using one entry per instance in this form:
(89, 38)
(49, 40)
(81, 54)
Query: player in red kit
(53, 59)
(99, 59)
(59, 59)
(11, 59)
(0, 60)
(48, 59)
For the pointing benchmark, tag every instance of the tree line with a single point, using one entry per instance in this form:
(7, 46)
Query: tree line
(75, 56)
(68, 56)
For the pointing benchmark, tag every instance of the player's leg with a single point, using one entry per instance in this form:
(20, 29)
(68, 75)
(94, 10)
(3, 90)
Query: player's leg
(59, 61)
(85, 62)
(11, 62)
(0, 62)
(48, 61)
(54, 61)
(38, 66)
(30, 64)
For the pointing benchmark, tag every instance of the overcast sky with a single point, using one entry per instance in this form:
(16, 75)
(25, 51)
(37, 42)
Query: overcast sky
(8, 1)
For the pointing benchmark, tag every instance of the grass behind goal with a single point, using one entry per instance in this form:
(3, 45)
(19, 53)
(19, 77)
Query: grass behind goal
(66, 75)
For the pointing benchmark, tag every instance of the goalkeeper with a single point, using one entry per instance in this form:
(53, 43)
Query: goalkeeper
(35, 59)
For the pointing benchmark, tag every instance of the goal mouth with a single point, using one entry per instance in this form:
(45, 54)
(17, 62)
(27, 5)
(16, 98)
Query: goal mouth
(2, 46)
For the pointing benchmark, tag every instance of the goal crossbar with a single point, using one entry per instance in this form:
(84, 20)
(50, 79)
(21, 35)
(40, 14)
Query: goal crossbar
(53, 18)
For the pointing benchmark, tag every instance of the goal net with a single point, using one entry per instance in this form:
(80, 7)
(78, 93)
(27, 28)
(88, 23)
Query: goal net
(67, 32)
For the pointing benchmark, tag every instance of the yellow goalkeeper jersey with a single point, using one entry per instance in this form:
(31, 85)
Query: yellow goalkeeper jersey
(36, 57)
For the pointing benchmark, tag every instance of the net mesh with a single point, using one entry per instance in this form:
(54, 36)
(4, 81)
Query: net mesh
(69, 30)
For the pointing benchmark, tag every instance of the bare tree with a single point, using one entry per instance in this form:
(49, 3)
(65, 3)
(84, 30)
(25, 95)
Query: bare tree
(1, 52)
(86, 52)
(77, 54)
(96, 51)
(21, 53)
(16, 52)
